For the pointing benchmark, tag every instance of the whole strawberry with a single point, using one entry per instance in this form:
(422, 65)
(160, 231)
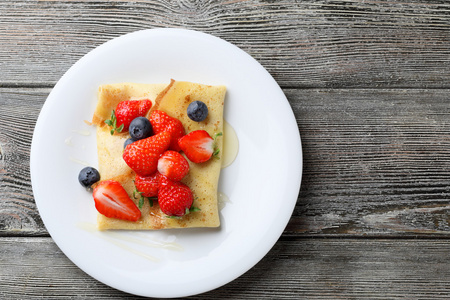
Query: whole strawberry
(174, 198)
(125, 112)
(163, 122)
(198, 146)
(148, 185)
(173, 165)
(142, 156)
(112, 201)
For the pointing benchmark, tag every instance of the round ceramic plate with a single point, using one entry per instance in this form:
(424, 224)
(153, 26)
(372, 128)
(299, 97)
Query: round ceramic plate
(262, 184)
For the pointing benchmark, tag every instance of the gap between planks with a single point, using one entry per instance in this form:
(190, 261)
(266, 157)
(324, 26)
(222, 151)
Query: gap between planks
(51, 85)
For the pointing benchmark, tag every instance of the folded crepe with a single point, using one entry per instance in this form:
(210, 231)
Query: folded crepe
(203, 178)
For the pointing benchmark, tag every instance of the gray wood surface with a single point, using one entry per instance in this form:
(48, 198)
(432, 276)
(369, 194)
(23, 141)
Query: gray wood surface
(293, 269)
(312, 43)
(369, 84)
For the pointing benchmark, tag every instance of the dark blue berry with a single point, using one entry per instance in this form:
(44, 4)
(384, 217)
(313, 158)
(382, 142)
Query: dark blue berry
(197, 111)
(140, 128)
(127, 142)
(88, 176)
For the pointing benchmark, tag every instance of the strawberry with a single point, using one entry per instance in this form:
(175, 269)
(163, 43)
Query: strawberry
(126, 111)
(173, 165)
(198, 146)
(174, 198)
(142, 156)
(163, 122)
(148, 185)
(112, 201)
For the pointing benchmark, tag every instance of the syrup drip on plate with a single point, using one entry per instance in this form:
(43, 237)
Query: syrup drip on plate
(229, 154)
(82, 132)
(222, 200)
(68, 141)
(79, 161)
(118, 239)
(230, 145)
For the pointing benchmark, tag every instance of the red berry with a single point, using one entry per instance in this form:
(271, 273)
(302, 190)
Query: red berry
(173, 165)
(198, 146)
(148, 185)
(112, 201)
(163, 122)
(144, 107)
(142, 156)
(128, 110)
(174, 198)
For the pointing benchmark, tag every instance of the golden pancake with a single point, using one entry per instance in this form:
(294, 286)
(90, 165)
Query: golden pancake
(202, 178)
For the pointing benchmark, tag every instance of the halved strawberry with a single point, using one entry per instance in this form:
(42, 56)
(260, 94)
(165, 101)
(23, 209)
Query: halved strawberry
(161, 122)
(142, 156)
(173, 165)
(174, 198)
(148, 185)
(125, 112)
(112, 201)
(198, 146)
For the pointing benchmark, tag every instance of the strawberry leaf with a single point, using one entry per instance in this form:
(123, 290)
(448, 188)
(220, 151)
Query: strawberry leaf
(151, 199)
(194, 209)
(120, 128)
(136, 193)
(141, 202)
(216, 149)
(112, 122)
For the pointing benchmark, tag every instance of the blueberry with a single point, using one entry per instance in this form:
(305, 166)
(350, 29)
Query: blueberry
(88, 176)
(127, 142)
(140, 128)
(197, 111)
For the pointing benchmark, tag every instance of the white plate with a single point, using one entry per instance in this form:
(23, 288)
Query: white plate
(262, 184)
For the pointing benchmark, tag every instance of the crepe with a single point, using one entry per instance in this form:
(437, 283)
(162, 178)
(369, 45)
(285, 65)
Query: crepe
(202, 178)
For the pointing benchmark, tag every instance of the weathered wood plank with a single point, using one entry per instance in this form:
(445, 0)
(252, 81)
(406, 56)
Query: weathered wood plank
(293, 269)
(18, 114)
(376, 162)
(315, 43)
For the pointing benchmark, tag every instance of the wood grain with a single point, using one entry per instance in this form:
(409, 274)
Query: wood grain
(19, 111)
(294, 269)
(368, 82)
(301, 43)
(376, 162)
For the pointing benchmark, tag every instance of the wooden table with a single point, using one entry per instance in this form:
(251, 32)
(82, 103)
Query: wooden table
(369, 84)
